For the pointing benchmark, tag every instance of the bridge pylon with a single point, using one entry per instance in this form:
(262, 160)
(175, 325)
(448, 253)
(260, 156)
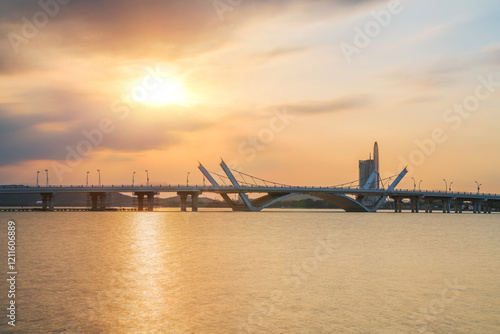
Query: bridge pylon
(281, 192)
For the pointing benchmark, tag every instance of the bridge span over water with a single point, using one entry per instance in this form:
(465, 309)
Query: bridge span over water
(355, 196)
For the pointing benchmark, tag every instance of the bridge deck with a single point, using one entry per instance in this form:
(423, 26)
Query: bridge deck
(245, 189)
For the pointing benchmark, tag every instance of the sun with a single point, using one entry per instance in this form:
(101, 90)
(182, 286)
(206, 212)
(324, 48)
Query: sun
(160, 91)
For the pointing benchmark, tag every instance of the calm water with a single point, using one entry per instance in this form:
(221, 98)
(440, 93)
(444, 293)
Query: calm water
(268, 272)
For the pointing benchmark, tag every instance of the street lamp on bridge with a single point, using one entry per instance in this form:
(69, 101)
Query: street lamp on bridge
(147, 178)
(87, 179)
(187, 179)
(446, 186)
(37, 172)
(99, 171)
(47, 174)
(414, 184)
(419, 183)
(450, 186)
(478, 187)
(133, 175)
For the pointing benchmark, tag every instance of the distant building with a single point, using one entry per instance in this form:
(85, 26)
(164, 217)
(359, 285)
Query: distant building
(369, 171)
(366, 168)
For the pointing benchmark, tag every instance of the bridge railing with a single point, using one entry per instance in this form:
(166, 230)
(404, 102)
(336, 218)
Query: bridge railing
(19, 188)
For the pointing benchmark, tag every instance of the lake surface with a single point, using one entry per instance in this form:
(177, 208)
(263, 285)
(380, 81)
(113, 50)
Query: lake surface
(238, 272)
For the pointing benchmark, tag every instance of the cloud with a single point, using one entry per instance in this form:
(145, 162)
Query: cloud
(167, 28)
(63, 117)
(274, 54)
(445, 70)
(329, 106)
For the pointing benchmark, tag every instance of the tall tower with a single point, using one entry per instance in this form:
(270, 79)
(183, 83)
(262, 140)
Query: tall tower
(376, 165)
(369, 170)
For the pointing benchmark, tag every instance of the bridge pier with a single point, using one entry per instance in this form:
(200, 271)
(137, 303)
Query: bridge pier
(194, 200)
(150, 195)
(140, 202)
(446, 205)
(48, 201)
(487, 207)
(428, 205)
(414, 204)
(98, 201)
(398, 204)
(183, 201)
(477, 207)
(151, 201)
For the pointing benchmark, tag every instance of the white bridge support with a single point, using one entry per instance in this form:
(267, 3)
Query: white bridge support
(345, 202)
(236, 185)
(227, 199)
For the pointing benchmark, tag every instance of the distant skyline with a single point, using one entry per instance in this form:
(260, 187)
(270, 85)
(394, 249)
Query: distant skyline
(292, 91)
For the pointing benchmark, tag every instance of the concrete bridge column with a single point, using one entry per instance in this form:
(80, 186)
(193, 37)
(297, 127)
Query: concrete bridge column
(428, 205)
(479, 207)
(140, 202)
(140, 199)
(446, 205)
(397, 204)
(47, 202)
(151, 200)
(183, 197)
(44, 202)
(98, 201)
(51, 202)
(93, 199)
(102, 201)
(414, 204)
(194, 202)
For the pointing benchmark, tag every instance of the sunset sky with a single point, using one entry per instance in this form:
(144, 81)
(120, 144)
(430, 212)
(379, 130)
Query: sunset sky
(292, 91)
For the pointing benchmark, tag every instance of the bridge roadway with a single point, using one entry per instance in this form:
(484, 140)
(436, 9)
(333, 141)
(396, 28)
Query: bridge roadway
(350, 199)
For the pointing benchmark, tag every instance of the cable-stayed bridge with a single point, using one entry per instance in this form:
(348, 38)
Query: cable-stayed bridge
(356, 196)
